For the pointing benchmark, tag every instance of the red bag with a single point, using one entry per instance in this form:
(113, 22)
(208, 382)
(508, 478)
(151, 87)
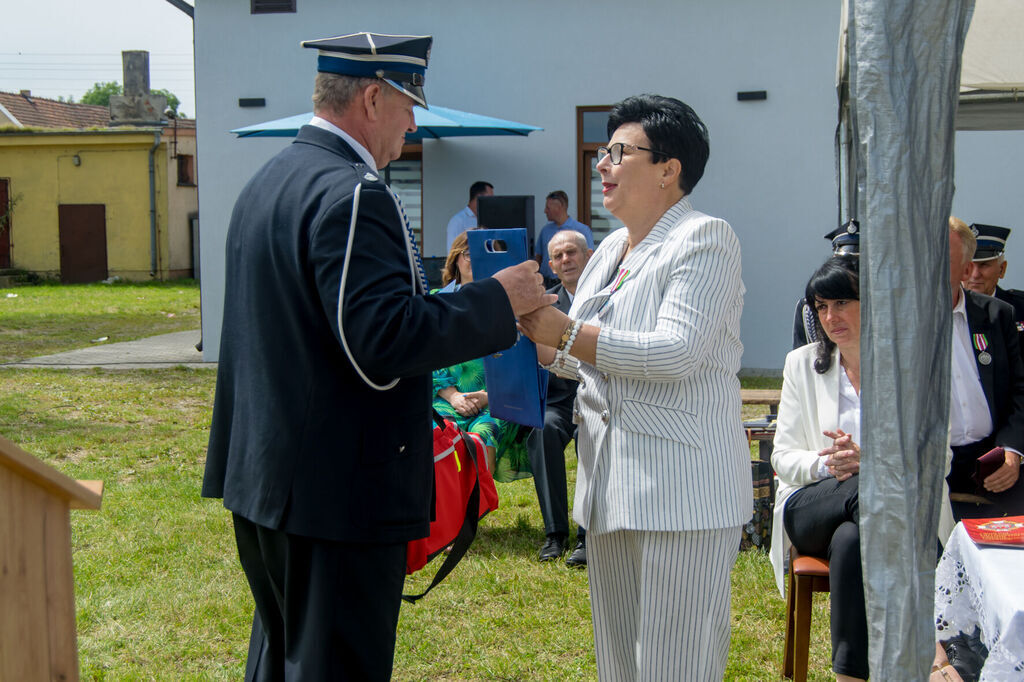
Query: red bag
(463, 494)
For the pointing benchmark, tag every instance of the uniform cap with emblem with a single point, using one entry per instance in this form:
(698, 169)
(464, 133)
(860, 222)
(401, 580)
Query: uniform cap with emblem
(845, 239)
(991, 241)
(399, 60)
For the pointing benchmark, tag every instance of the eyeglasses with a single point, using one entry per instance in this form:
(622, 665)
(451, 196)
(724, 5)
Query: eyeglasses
(465, 253)
(616, 150)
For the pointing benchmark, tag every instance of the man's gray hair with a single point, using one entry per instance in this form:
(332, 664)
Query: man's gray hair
(334, 93)
(574, 235)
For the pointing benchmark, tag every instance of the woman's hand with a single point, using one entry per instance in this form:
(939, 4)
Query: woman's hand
(544, 325)
(478, 398)
(843, 456)
(462, 404)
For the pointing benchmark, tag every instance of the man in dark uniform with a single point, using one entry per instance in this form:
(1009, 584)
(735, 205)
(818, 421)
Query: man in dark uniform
(321, 437)
(989, 266)
(845, 241)
(987, 384)
(568, 254)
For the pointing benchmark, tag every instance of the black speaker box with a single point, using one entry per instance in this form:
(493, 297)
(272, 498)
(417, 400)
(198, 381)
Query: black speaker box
(499, 212)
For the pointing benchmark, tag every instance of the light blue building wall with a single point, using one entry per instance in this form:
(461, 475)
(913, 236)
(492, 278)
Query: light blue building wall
(771, 172)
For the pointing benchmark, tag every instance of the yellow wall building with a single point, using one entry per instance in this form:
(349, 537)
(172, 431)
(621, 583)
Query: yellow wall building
(80, 201)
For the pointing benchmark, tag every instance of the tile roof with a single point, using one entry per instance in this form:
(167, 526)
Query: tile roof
(48, 113)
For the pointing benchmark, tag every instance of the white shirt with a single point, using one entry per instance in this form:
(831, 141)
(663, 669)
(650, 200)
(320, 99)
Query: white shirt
(849, 418)
(460, 222)
(359, 149)
(969, 418)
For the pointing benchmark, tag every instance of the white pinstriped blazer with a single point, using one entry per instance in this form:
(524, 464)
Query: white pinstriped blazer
(661, 445)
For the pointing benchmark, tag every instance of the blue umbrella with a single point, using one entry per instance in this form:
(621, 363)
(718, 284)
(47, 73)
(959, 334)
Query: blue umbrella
(435, 122)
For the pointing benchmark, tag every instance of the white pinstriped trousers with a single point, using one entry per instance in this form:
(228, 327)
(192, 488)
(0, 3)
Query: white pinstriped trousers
(660, 602)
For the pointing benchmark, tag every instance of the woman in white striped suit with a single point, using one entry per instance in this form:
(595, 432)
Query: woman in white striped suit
(663, 483)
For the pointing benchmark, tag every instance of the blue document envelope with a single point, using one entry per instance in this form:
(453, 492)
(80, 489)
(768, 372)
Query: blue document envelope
(517, 386)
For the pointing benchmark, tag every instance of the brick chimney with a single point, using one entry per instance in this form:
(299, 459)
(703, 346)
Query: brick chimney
(137, 106)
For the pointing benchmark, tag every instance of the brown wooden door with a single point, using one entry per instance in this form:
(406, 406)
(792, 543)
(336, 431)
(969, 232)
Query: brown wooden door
(5, 223)
(83, 242)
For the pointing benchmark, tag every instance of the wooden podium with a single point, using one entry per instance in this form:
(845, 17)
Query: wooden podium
(37, 594)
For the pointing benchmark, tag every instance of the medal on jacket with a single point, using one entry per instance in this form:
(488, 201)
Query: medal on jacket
(981, 344)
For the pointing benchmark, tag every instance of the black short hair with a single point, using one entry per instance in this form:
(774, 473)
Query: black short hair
(478, 188)
(673, 128)
(837, 278)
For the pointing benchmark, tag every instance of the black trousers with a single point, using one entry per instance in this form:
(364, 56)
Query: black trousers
(546, 449)
(1009, 502)
(823, 520)
(324, 610)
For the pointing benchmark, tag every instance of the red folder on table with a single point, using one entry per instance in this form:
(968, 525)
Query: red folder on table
(516, 385)
(1006, 531)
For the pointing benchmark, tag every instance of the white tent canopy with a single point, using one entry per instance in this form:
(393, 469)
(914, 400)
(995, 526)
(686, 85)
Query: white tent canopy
(992, 76)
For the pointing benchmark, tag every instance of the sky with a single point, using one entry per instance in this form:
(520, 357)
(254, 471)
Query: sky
(60, 48)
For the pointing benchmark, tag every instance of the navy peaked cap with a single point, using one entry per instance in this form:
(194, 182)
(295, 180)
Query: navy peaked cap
(991, 241)
(400, 60)
(845, 239)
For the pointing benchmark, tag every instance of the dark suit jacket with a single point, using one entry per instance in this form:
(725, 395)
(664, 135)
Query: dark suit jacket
(1003, 378)
(1016, 299)
(298, 441)
(561, 391)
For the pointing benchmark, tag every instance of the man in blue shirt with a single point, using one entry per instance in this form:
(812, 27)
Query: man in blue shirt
(466, 219)
(556, 209)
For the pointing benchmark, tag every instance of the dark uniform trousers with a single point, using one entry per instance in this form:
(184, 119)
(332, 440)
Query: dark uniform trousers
(295, 582)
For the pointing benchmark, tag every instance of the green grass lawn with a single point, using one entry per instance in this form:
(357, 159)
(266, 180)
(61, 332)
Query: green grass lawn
(50, 318)
(159, 591)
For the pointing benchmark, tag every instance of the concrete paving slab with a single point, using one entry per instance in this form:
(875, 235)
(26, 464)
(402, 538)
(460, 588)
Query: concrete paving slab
(155, 352)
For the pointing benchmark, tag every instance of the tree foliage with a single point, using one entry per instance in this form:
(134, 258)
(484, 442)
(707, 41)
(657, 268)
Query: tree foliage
(100, 93)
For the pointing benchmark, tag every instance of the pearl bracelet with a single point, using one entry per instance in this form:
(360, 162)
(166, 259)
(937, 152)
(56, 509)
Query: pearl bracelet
(563, 351)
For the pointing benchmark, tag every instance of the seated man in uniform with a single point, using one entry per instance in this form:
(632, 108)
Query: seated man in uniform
(989, 266)
(987, 384)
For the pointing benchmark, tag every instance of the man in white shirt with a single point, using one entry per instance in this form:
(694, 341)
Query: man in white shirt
(466, 219)
(987, 402)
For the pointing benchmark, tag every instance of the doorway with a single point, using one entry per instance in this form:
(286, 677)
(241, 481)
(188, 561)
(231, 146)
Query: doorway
(83, 242)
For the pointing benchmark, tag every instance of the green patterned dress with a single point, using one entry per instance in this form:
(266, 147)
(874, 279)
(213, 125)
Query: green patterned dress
(512, 461)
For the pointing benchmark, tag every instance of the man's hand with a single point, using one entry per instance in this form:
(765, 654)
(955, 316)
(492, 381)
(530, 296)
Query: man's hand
(1004, 477)
(524, 287)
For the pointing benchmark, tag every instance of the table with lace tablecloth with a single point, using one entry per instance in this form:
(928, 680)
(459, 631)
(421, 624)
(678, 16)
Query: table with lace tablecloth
(984, 587)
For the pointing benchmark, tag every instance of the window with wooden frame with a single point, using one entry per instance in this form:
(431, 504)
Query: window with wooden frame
(591, 133)
(271, 6)
(405, 175)
(186, 170)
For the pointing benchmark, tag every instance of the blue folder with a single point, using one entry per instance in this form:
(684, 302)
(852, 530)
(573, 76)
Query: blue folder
(517, 386)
